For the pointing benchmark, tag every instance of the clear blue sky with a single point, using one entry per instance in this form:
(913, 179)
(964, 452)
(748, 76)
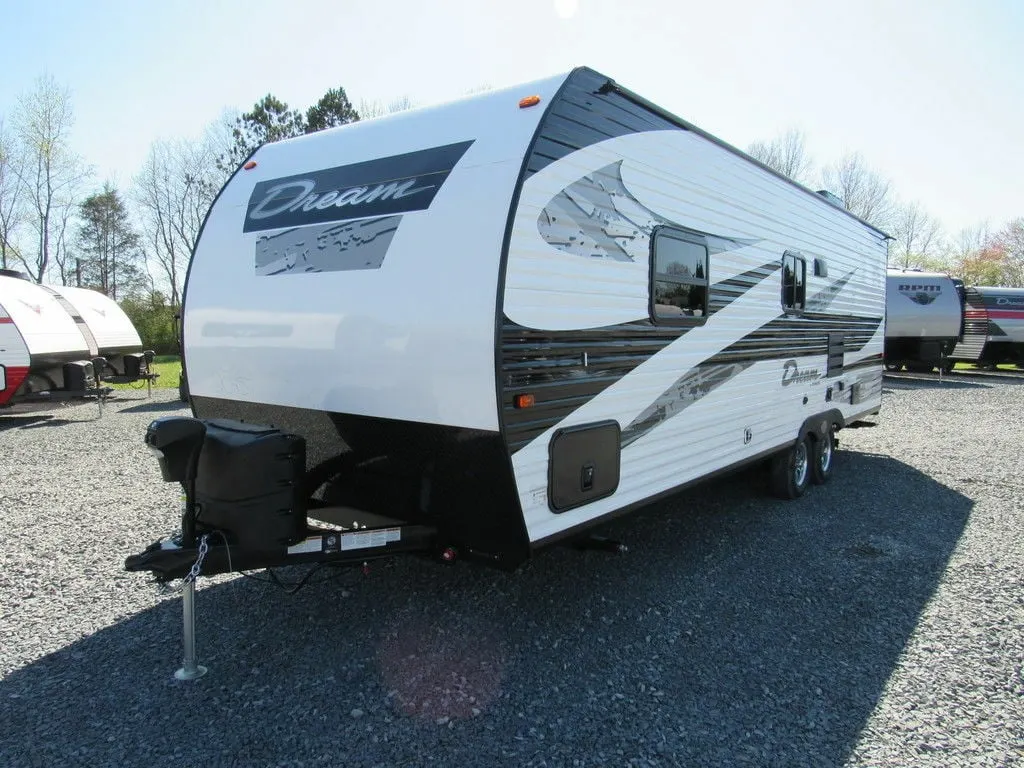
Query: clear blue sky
(930, 92)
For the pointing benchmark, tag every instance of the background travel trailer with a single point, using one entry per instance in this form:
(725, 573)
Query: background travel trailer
(58, 343)
(924, 317)
(993, 326)
(109, 331)
(503, 320)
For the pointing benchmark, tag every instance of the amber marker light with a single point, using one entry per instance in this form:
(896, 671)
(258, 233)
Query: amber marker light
(529, 101)
(523, 401)
(250, 165)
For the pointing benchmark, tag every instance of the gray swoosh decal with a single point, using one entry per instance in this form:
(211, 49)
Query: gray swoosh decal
(598, 217)
(686, 391)
(708, 376)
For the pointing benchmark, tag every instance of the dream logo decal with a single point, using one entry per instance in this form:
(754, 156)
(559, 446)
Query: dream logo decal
(388, 185)
(343, 218)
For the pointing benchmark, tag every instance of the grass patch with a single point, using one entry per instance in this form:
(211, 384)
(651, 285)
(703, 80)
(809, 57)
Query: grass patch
(169, 368)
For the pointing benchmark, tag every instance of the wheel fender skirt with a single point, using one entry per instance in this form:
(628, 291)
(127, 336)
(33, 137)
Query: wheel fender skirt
(820, 423)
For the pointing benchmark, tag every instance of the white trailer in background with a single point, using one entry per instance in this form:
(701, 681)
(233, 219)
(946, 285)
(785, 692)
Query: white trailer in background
(43, 354)
(923, 319)
(479, 328)
(59, 343)
(110, 332)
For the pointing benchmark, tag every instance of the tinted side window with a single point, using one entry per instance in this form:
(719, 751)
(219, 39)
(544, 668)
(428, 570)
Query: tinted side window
(679, 277)
(794, 281)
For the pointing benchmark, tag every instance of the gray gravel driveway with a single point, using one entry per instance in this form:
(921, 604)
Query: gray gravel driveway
(877, 621)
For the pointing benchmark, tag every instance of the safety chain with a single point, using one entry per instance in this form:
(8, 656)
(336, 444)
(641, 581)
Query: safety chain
(193, 572)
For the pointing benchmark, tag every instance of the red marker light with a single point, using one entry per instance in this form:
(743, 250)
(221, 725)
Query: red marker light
(529, 101)
(250, 165)
(523, 401)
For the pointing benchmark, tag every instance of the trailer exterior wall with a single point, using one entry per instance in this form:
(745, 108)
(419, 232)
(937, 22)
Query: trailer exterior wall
(695, 397)
(14, 357)
(1005, 308)
(921, 306)
(408, 337)
(373, 336)
(993, 326)
(49, 332)
(107, 322)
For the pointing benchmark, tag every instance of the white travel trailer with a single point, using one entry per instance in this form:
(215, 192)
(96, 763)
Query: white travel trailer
(993, 327)
(42, 351)
(923, 319)
(59, 343)
(109, 333)
(481, 327)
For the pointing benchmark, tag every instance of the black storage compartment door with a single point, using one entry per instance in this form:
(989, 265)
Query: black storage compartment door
(583, 464)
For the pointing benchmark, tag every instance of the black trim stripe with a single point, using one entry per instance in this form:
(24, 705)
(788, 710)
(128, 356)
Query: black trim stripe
(785, 338)
(582, 115)
(565, 369)
(975, 328)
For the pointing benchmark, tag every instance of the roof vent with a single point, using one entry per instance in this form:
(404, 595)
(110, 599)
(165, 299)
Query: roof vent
(832, 198)
(14, 273)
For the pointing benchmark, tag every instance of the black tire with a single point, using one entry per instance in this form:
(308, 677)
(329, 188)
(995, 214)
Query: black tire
(791, 470)
(893, 367)
(183, 388)
(920, 367)
(823, 454)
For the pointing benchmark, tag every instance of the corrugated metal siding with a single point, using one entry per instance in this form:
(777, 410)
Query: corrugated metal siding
(687, 405)
(581, 116)
(975, 328)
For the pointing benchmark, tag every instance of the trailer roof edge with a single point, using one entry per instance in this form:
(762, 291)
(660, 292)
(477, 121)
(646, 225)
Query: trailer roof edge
(661, 111)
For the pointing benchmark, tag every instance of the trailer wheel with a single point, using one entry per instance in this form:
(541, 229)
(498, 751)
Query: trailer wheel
(791, 470)
(893, 367)
(822, 454)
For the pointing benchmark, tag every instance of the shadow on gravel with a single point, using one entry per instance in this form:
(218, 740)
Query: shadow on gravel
(924, 382)
(968, 380)
(31, 421)
(157, 407)
(736, 630)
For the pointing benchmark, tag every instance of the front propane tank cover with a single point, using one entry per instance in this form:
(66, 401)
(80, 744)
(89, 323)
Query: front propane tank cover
(249, 483)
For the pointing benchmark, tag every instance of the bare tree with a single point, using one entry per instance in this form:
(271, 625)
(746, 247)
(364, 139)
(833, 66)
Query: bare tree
(61, 252)
(864, 192)
(916, 235)
(787, 154)
(12, 211)
(52, 172)
(968, 242)
(371, 109)
(174, 190)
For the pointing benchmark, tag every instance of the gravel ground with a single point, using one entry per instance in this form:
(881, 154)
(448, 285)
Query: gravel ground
(877, 621)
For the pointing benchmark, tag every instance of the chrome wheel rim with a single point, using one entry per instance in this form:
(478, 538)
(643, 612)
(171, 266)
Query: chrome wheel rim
(825, 458)
(800, 464)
